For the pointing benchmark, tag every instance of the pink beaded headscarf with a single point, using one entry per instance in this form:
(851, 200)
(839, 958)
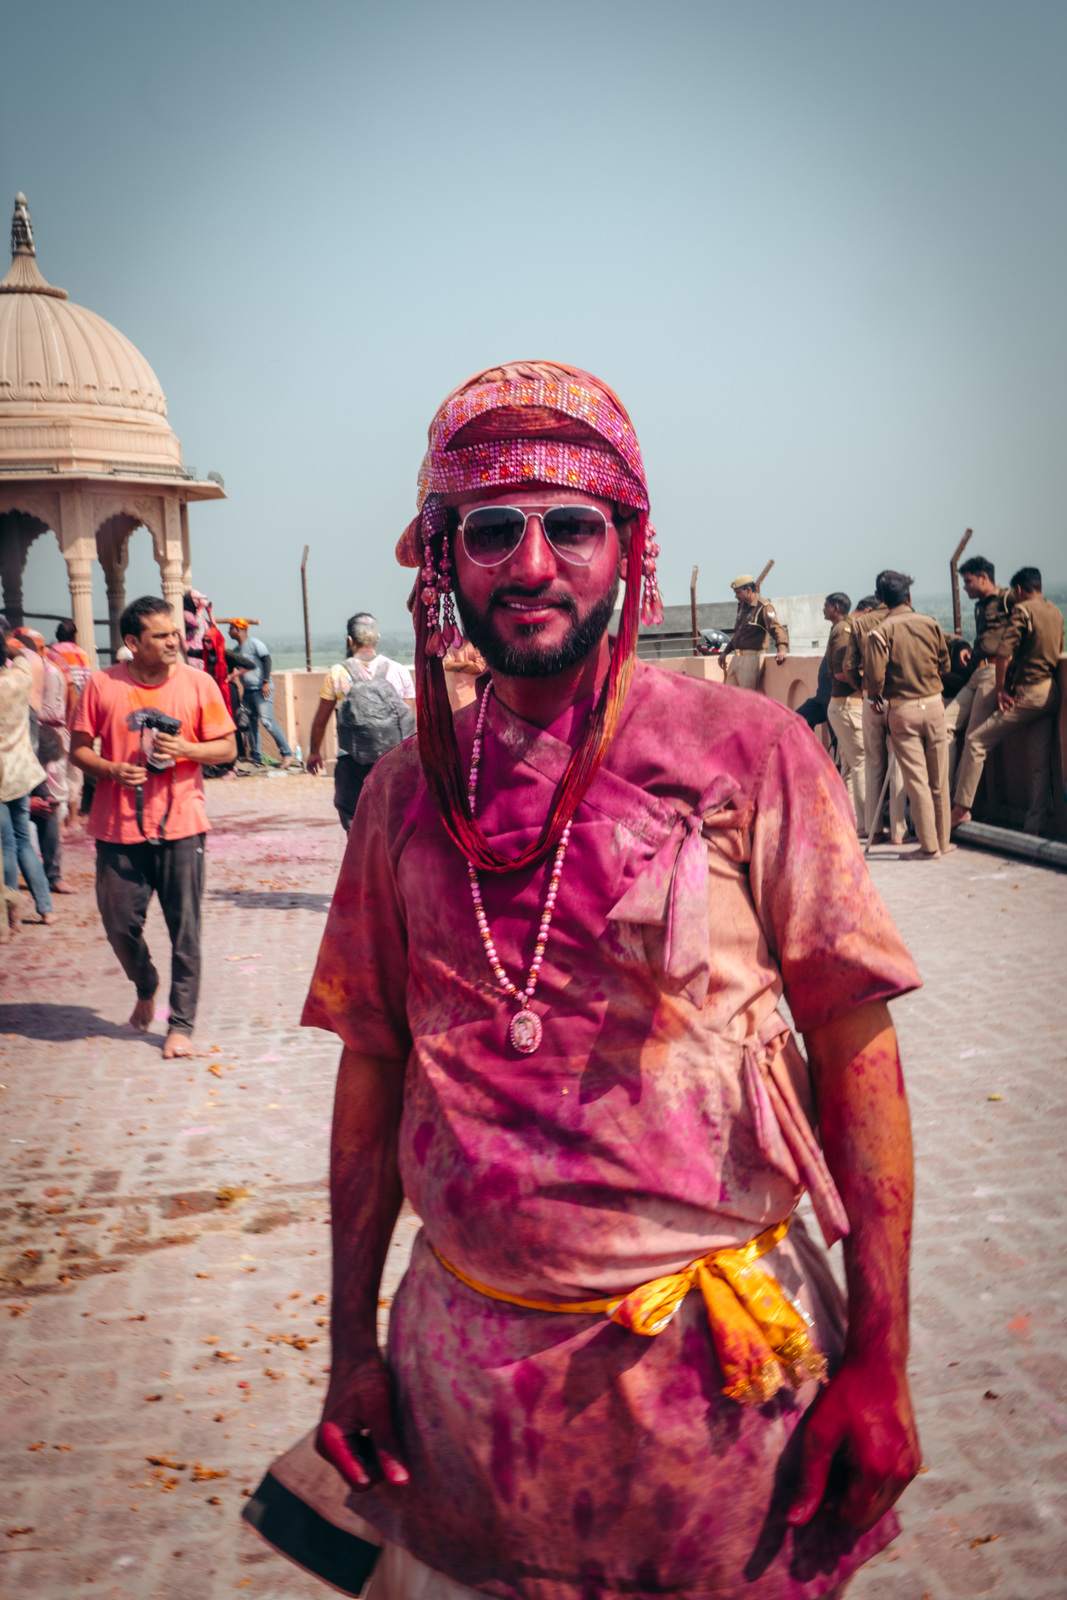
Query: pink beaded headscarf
(523, 423)
(526, 422)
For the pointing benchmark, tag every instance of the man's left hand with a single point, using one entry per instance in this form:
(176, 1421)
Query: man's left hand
(173, 747)
(864, 1413)
(266, 690)
(1005, 701)
(780, 658)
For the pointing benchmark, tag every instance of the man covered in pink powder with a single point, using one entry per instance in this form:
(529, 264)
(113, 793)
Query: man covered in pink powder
(618, 1362)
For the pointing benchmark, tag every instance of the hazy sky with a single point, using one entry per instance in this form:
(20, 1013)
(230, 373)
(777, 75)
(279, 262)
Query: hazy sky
(820, 249)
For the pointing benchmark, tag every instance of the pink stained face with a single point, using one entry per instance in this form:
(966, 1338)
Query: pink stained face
(534, 595)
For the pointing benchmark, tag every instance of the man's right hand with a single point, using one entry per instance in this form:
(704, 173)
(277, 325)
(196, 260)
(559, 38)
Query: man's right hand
(127, 775)
(357, 1424)
(315, 764)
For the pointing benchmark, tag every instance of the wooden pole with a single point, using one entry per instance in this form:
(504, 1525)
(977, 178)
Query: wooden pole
(762, 575)
(953, 567)
(304, 587)
(693, 610)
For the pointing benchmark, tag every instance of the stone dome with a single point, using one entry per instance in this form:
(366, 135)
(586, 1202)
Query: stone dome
(75, 394)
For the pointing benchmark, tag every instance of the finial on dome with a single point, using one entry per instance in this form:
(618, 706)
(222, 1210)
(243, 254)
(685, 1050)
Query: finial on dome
(22, 228)
(24, 275)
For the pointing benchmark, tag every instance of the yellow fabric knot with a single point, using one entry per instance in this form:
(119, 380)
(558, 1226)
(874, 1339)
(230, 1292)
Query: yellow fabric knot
(761, 1339)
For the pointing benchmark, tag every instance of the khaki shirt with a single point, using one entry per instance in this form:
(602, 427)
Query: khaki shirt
(1033, 639)
(907, 655)
(754, 624)
(991, 615)
(854, 664)
(836, 649)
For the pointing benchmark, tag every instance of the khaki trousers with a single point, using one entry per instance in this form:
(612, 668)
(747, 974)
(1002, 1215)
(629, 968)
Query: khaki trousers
(744, 668)
(845, 716)
(1035, 710)
(975, 704)
(920, 744)
(876, 757)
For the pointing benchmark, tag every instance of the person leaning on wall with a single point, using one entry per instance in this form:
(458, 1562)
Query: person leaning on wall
(1028, 696)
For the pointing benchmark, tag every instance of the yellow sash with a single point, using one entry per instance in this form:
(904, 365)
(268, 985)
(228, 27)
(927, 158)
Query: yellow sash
(761, 1338)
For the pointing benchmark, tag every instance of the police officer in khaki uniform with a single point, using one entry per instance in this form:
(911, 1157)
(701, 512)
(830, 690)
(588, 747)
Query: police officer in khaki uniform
(1028, 696)
(756, 622)
(907, 658)
(869, 613)
(845, 711)
(977, 700)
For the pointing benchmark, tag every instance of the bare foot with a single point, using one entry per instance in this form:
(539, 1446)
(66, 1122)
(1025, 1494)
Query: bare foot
(945, 848)
(142, 1014)
(14, 920)
(62, 888)
(285, 763)
(179, 1047)
(959, 814)
(48, 917)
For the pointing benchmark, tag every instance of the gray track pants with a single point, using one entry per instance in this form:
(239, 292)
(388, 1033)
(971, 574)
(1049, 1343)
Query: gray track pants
(126, 877)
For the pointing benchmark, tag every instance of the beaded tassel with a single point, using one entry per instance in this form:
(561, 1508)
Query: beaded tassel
(651, 603)
(442, 631)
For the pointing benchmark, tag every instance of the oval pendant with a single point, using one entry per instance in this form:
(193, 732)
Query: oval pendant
(525, 1031)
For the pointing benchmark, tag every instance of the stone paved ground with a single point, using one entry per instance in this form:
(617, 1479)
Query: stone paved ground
(164, 1240)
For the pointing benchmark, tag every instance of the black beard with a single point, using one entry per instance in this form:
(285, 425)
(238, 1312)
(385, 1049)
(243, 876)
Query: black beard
(531, 659)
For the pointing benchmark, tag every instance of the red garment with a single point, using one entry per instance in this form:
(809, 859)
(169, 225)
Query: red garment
(215, 664)
(713, 870)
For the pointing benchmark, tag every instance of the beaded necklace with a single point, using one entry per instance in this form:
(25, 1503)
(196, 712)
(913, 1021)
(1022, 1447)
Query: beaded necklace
(525, 1030)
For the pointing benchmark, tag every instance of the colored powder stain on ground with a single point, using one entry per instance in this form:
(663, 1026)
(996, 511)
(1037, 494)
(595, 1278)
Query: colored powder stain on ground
(165, 1257)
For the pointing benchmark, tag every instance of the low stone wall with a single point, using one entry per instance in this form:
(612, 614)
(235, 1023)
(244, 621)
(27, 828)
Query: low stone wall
(296, 699)
(795, 681)
(1001, 797)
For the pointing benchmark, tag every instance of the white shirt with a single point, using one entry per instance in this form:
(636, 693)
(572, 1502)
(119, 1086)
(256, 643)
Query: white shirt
(342, 676)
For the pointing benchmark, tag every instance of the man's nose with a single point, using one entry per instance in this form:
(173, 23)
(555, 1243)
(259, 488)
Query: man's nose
(534, 562)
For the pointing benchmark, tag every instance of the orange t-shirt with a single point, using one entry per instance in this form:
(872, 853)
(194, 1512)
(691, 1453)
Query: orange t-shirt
(108, 710)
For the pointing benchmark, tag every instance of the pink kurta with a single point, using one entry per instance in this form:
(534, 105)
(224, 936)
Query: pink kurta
(712, 868)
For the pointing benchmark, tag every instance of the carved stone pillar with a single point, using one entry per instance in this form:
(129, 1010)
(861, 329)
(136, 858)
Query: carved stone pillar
(169, 556)
(79, 549)
(116, 602)
(173, 588)
(187, 559)
(80, 582)
(12, 566)
(113, 551)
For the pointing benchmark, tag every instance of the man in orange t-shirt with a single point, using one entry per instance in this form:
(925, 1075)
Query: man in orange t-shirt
(159, 722)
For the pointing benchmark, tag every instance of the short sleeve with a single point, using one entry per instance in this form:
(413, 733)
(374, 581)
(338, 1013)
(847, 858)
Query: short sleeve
(829, 930)
(215, 721)
(408, 691)
(1016, 626)
(333, 688)
(359, 987)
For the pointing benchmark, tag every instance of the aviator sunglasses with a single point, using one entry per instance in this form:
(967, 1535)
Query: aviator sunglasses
(491, 534)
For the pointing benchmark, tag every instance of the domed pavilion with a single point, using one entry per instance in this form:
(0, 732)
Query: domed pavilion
(86, 451)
